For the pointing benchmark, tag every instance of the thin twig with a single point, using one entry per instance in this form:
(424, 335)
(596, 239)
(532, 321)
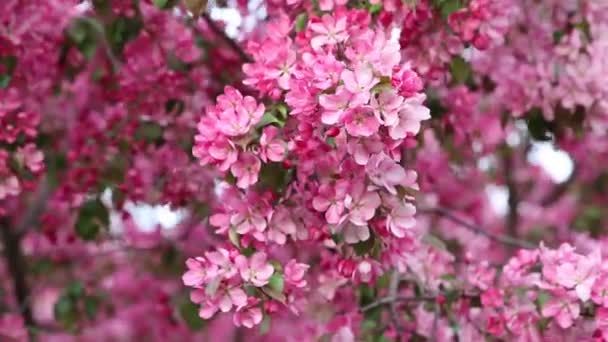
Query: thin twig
(392, 290)
(505, 239)
(395, 299)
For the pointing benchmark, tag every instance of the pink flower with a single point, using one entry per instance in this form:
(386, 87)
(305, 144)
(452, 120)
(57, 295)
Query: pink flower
(272, 148)
(361, 122)
(330, 200)
(30, 157)
(353, 233)
(406, 81)
(221, 259)
(385, 172)
(412, 113)
(599, 291)
(9, 187)
(563, 308)
(362, 204)
(386, 106)
(336, 105)
(248, 317)
(255, 269)
(199, 272)
(294, 273)
(12, 328)
(401, 219)
(361, 80)
(232, 297)
(492, 298)
(246, 170)
(329, 30)
(236, 114)
(248, 220)
(281, 225)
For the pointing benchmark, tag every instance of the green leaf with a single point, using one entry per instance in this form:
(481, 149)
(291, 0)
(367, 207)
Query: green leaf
(375, 9)
(92, 217)
(150, 132)
(364, 247)
(189, 313)
(268, 119)
(277, 282)
(121, 31)
(65, 312)
(460, 70)
(7, 66)
(301, 22)
(160, 3)
(272, 293)
(265, 325)
(539, 128)
(75, 290)
(91, 305)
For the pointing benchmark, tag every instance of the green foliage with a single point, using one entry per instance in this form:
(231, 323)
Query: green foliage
(83, 35)
(277, 282)
(7, 66)
(365, 247)
(447, 7)
(461, 71)
(539, 128)
(93, 216)
(301, 22)
(189, 313)
(121, 31)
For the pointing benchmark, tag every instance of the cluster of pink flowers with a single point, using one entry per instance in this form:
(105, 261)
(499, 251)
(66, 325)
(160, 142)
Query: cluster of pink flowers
(352, 105)
(224, 279)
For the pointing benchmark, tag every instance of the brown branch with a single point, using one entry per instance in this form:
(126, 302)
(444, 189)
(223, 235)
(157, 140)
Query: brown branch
(559, 190)
(35, 209)
(392, 290)
(231, 43)
(17, 269)
(513, 199)
(504, 239)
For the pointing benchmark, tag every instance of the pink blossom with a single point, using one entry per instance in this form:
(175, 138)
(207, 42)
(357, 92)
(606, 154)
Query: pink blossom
(337, 105)
(254, 269)
(401, 219)
(354, 233)
(385, 172)
(361, 122)
(248, 317)
(330, 200)
(294, 274)
(271, 148)
(411, 115)
(199, 272)
(362, 204)
(386, 106)
(246, 170)
(330, 30)
(563, 308)
(359, 81)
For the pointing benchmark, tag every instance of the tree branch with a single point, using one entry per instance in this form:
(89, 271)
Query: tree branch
(233, 44)
(504, 239)
(559, 190)
(35, 208)
(392, 290)
(17, 269)
(513, 200)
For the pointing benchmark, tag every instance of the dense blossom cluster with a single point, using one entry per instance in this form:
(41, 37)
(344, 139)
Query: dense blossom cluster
(335, 168)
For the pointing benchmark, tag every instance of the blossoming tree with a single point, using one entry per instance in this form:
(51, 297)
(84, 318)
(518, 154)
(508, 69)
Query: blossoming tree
(331, 159)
